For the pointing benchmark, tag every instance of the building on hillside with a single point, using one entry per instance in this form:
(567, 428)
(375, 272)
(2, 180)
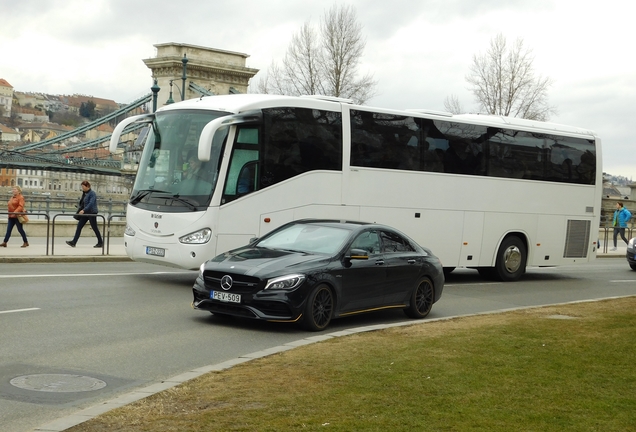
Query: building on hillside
(99, 132)
(31, 114)
(6, 98)
(8, 134)
(102, 106)
(8, 177)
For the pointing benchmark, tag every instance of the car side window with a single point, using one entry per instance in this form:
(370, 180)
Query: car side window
(393, 243)
(368, 241)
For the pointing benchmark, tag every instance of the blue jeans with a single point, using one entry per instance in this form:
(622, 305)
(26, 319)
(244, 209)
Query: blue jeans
(80, 224)
(10, 224)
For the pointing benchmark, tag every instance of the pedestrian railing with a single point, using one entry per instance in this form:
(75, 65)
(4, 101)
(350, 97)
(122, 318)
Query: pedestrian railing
(82, 215)
(46, 216)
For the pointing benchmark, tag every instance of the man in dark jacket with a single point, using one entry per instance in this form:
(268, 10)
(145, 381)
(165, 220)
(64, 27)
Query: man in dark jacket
(87, 205)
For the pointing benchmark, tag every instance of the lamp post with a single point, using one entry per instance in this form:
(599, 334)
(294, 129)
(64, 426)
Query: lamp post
(155, 89)
(184, 60)
(170, 100)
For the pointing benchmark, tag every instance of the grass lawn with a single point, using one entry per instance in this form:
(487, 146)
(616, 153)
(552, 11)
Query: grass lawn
(546, 369)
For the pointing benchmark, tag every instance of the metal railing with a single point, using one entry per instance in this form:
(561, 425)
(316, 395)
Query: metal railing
(87, 215)
(629, 231)
(46, 216)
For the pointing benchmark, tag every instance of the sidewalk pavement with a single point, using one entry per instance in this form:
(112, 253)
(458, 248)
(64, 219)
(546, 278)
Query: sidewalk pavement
(114, 250)
(59, 251)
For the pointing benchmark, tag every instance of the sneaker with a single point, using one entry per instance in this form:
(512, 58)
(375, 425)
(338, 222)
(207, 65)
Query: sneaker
(99, 245)
(70, 243)
(613, 249)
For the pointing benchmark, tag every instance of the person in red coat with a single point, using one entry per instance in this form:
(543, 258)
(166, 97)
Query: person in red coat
(16, 204)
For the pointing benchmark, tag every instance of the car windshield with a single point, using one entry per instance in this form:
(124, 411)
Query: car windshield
(307, 238)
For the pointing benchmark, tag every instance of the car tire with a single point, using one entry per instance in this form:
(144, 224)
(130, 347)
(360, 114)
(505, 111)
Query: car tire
(318, 309)
(422, 299)
(511, 260)
(633, 266)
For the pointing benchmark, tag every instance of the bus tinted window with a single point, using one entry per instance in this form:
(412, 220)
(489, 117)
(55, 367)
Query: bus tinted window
(297, 140)
(409, 143)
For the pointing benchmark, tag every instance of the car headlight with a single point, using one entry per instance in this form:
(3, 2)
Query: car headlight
(129, 231)
(630, 244)
(288, 282)
(198, 237)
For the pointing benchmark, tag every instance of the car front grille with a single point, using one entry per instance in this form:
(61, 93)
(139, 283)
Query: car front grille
(241, 284)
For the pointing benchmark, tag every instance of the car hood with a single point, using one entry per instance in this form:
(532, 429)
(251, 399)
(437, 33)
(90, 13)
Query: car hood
(260, 262)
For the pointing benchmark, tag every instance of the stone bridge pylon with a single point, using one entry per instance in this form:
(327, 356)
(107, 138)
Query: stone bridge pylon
(207, 71)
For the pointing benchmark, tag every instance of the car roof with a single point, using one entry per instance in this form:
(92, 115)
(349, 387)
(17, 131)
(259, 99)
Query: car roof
(353, 225)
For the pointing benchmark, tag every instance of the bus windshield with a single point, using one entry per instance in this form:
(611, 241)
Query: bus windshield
(170, 173)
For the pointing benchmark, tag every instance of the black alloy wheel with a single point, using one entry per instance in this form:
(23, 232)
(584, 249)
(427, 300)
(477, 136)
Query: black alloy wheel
(319, 309)
(421, 299)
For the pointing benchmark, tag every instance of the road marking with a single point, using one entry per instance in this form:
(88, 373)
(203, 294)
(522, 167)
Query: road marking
(19, 310)
(621, 281)
(93, 274)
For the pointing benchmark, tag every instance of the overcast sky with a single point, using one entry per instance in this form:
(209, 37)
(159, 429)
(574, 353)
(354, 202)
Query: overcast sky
(419, 51)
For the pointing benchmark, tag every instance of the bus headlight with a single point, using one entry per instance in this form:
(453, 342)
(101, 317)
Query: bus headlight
(197, 237)
(288, 282)
(129, 231)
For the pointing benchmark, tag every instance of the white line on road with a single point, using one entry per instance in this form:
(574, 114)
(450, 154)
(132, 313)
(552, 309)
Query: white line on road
(621, 281)
(90, 274)
(19, 310)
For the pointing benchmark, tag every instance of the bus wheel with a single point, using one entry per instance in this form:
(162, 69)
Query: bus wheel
(511, 259)
(319, 309)
(421, 300)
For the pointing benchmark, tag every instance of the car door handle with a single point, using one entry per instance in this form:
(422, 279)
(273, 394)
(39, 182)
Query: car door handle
(379, 262)
(411, 261)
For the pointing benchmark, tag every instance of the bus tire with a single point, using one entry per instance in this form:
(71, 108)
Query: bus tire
(448, 270)
(318, 309)
(421, 300)
(511, 259)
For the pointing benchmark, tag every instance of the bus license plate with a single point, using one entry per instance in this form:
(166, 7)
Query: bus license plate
(155, 251)
(225, 297)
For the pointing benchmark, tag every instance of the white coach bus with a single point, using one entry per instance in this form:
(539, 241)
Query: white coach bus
(485, 192)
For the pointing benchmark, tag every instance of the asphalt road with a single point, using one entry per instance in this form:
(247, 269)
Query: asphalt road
(116, 327)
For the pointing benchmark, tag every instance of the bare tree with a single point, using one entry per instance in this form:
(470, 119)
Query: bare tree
(453, 105)
(324, 62)
(504, 83)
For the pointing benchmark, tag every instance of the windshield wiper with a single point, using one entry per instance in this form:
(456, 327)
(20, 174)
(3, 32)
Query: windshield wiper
(185, 201)
(143, 194)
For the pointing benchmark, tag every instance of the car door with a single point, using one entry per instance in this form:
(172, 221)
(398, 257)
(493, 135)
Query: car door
(363, 281)
(402, 264)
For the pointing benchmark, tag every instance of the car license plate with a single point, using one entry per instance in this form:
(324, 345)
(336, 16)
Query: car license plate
(155, 251)
(225, 297)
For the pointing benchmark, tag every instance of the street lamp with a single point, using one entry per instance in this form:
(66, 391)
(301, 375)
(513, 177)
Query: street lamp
(170, 100)
(184, 60)
(155, 89)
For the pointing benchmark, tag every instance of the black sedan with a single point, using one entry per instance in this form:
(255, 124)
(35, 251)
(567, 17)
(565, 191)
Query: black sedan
(631, 253)
(311, 271)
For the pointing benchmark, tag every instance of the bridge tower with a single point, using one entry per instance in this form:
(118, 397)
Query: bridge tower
(208, 70)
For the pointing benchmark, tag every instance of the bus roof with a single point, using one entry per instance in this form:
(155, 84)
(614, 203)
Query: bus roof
(237, 103)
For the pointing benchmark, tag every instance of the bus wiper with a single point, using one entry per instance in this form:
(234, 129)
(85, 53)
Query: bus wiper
(185, 201)
(144, 193)
(140, 195)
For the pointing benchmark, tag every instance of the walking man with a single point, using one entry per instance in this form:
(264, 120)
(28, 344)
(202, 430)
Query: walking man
(87, 205)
